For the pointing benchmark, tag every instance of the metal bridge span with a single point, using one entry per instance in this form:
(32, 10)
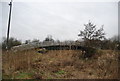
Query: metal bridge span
(62, 47)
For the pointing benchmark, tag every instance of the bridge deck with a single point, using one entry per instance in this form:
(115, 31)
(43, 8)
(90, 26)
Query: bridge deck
(61, 47)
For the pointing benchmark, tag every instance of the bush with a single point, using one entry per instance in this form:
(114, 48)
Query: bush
(88, 52)
(12, 42)
(118, 47)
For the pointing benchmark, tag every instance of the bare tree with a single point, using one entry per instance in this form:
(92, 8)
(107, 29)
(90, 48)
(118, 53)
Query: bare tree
(49, 38)
(27, 41)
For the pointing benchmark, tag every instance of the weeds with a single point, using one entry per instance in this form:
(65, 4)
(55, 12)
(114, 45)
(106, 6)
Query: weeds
(59, 64)
(24, 76)
(60, 72)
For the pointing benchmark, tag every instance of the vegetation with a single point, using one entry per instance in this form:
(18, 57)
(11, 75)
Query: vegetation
(27, 41)
(92, 38)
(39, 63)
(91, 35)
(12, 42)
(89, 52)
(49, 38)
(59, 64)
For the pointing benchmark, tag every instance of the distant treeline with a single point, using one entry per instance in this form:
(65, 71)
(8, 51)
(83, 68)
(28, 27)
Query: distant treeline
(104, 44)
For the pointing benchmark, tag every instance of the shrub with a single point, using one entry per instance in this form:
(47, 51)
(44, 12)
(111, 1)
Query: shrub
(118, 47)
(88, 52)
(60, 72)
(12, 42)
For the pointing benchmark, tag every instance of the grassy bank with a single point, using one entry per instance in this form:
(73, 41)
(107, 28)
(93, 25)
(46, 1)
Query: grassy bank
(59, 64)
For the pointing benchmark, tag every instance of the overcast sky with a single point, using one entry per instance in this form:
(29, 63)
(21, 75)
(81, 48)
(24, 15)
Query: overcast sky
(62, 20)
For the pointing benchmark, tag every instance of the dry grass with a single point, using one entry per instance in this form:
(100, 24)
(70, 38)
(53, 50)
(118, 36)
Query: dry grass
(56, 64)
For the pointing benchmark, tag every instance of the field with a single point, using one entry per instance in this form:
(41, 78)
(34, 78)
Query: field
(59, 64)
